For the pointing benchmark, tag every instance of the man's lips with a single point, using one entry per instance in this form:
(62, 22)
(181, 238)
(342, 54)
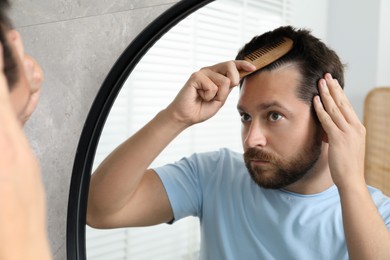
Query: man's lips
(259, 161)
(255, 157)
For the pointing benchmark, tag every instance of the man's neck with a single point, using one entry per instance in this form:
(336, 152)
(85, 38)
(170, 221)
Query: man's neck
(317, 180)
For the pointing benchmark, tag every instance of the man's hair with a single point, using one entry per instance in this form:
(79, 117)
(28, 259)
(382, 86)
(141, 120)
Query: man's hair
(312, 57)
(10, 65)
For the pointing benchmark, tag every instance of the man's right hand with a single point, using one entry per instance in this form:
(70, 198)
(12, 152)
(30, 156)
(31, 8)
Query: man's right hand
(206, 91)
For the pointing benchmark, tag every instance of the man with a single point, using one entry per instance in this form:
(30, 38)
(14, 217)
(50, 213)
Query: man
(297, 193)
(22, 216)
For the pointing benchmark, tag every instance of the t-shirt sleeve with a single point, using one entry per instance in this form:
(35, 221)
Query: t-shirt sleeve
(383, 204)
(182, 184)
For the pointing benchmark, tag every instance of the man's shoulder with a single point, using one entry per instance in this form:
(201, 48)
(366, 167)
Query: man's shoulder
(219, 165)
(222, 155)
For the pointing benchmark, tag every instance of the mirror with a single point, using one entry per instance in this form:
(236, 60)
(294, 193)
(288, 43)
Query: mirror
(302, 14)
(82, 167)
(193, 43)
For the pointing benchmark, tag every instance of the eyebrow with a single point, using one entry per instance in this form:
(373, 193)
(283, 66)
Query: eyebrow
(265, 106)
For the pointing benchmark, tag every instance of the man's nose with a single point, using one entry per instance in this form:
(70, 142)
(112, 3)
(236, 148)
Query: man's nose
(255, 136)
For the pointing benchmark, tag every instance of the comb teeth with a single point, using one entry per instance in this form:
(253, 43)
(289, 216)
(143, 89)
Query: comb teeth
(266, 55)
(262, 51)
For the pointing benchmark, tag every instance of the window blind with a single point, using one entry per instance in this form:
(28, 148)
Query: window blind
(211, 35)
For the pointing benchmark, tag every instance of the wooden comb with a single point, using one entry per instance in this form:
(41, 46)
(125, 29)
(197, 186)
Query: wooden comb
(266, 55)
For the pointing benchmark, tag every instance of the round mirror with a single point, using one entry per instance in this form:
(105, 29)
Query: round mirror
(197, 37)
(205, 37)
(100, 108)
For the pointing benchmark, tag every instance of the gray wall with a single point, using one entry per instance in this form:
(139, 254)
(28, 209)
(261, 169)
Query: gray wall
(357, 40)
(76, 42)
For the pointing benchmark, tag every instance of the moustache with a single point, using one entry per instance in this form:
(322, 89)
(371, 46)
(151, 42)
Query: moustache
(257, 154)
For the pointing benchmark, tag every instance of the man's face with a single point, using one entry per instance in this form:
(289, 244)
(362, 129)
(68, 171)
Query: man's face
(20, 93)
(281, 140)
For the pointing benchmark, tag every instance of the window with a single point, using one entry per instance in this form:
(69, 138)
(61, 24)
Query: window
(211, 35)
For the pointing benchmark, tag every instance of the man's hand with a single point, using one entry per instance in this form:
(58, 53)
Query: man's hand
(366, 234)
(345, 133)
(206, 91)
(34, 76)
(32, 71)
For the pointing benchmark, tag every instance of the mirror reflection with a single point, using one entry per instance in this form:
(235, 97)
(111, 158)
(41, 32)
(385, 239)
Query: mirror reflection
(211, 35)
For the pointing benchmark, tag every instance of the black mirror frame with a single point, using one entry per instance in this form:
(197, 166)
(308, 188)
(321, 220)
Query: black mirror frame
(82, 167)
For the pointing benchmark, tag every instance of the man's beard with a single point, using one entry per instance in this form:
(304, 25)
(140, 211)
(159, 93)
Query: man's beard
(279, 172)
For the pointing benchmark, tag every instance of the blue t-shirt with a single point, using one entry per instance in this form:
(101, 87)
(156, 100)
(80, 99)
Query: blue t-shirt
(240, 220)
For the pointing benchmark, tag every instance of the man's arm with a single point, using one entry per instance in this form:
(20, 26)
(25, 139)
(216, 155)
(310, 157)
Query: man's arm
(122, 191)
(365, 231)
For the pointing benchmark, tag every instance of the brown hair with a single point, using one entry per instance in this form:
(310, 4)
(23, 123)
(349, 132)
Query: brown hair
(312, 57)
(10, 65)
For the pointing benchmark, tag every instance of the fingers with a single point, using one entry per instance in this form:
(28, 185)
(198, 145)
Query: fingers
(213, 86)
(333, 109)
(215, 82)
(231, 70)
(34, 76)
(34, 73)
(240, 67)
(340, 99)
(333, 113)
(206, 91)
(244, 65)
(14, 37)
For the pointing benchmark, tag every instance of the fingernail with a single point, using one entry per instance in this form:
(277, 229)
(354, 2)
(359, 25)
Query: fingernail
(328, 76)
(323, 83)
(316, 99)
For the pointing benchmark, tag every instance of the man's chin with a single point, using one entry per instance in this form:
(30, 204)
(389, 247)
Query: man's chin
(266, 178)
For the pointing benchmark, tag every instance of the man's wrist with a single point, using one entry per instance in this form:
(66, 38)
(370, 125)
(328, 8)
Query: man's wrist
(355, 186)
(172, 118)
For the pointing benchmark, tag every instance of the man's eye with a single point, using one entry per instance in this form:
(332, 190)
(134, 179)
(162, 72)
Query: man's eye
(245, 117)
(274, 116)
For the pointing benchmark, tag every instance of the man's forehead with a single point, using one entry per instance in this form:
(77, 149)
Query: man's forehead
(271, 88)
(285, 79)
